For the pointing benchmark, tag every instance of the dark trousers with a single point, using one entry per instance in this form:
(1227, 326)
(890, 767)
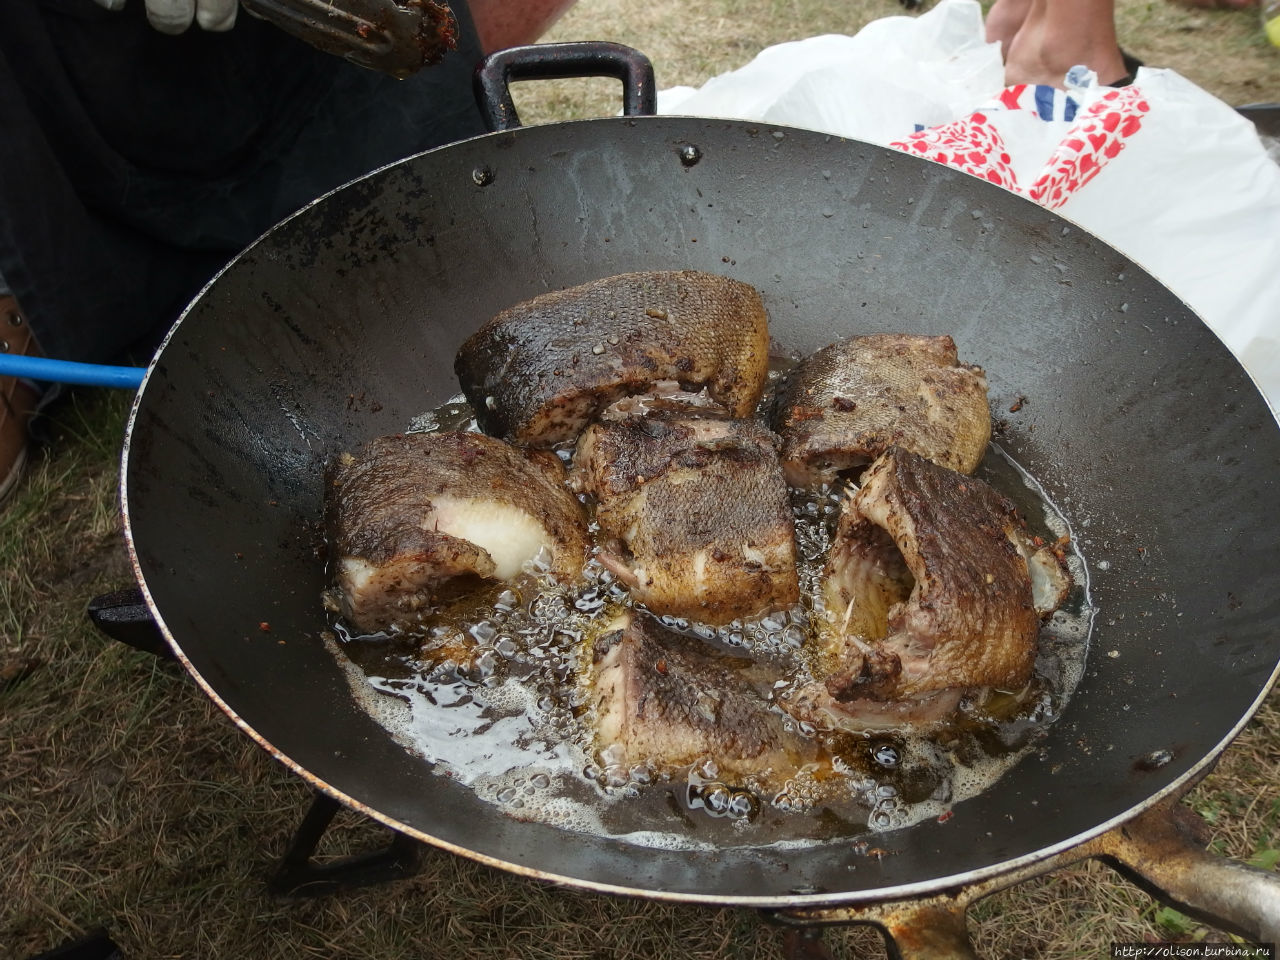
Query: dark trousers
(133, 164)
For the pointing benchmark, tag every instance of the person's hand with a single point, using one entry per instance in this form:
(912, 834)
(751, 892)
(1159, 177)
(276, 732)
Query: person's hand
(175, 16)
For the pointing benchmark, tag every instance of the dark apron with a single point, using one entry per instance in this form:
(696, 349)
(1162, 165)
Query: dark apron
(134, 164)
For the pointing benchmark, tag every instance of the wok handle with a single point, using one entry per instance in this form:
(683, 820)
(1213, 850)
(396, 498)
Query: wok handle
(124, 616)
(1159, 851)
(555, 61)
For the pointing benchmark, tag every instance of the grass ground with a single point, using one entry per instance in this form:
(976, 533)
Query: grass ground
(129, 802)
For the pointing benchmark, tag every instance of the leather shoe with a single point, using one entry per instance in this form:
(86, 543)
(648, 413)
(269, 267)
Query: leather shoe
(18, 400)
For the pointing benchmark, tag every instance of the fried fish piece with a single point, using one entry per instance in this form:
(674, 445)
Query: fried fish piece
(536, 374)
(416, 517)
(845, 404)
(694, 511)
(933, 589)
(666, 701)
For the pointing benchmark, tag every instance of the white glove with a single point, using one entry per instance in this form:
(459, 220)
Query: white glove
(175, 16)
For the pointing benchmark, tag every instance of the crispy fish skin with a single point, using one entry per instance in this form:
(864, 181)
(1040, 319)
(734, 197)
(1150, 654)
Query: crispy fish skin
(538, 372)
(663, 700)
(695, 510)
(931, 594)
(845, 404)
(412, 515)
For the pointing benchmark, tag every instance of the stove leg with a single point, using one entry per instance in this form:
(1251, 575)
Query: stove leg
(1160, 851)
(298, 876)
(929, 929)
(96, 946)
(804, 943)
(928, 932)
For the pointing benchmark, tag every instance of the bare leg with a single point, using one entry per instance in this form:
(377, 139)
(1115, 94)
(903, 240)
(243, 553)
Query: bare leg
(512, 23)
(1057, 35)
(1004, 20)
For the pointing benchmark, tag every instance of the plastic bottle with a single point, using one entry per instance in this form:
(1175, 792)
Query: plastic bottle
(1271, 20)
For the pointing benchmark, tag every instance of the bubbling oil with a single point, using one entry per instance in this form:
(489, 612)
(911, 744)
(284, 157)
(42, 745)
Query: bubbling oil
(490, 690)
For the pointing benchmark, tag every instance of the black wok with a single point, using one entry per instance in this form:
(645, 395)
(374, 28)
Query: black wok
(341, 325)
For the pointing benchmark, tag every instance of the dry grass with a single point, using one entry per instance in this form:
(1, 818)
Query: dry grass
(127, 801)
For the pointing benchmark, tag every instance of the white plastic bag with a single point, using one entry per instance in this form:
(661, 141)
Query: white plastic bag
(930, 69)
(1171, 176)
(1195, 199)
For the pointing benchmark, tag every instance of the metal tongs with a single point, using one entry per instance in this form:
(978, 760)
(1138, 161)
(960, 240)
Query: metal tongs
(397, 37)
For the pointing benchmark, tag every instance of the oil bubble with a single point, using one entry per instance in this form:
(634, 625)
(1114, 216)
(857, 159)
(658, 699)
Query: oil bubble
(484, 665)
(717, 798)
(484, 631)
(742, 806)
(885, 754)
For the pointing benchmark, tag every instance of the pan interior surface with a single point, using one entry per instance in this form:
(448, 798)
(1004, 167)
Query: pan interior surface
(341, 325)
